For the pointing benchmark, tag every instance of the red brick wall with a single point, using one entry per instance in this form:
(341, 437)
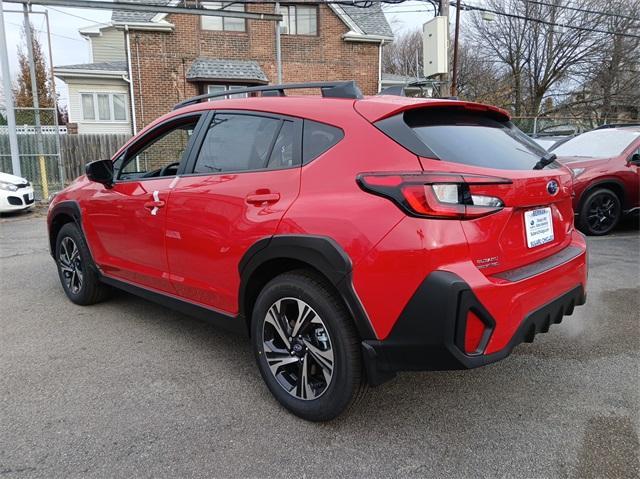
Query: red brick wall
(160, 60)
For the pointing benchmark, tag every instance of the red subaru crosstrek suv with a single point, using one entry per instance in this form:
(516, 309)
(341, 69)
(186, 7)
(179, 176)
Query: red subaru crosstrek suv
(350, 237)
(606, 167)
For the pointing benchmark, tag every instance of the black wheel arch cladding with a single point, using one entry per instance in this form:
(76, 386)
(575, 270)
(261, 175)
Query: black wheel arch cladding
(320, 253)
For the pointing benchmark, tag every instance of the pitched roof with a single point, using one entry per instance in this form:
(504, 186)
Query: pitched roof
(217, 69)
(117, 66)
(126, 16)
(370, 20)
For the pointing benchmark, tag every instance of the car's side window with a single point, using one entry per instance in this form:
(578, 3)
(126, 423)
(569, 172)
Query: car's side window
(318, 138)
(159, 153)
(242, 142)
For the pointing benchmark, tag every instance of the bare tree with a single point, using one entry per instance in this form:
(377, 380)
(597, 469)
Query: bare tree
(540, 55)
(404, 55)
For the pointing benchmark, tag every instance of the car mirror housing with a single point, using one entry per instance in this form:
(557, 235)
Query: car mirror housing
(635, 159)
(100, 171)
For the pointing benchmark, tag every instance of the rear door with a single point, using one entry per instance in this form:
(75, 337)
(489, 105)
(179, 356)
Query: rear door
(537, 217)
(235, 192)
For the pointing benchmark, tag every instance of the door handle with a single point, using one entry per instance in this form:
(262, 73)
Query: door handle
(262, 198)
(154, 205)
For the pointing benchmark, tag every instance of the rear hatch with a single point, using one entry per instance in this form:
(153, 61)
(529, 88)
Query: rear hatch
(535, 217)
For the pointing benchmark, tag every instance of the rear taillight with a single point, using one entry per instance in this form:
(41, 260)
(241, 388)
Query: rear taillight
(436, 195)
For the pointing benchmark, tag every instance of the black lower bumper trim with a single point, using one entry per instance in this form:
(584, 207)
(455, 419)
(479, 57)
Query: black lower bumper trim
(427, 336)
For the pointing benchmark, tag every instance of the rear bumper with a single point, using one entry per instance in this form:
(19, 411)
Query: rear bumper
(429, 334)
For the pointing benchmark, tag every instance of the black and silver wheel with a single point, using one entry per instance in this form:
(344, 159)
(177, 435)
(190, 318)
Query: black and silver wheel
(77, 274)
(600, 212)
(306, 346)
(297, 348)
(70, 263)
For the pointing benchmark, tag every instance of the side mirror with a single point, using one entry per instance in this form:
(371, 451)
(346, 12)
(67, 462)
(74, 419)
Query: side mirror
(635, 159)
(100, 171)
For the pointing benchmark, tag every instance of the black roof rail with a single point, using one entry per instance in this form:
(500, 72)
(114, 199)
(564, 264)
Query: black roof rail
(330, 89)
(615, 125)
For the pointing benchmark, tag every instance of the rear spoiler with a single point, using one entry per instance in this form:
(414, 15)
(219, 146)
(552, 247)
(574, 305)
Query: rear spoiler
(380, 107)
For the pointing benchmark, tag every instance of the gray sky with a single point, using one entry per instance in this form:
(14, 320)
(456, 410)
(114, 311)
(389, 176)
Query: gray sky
(69, 47)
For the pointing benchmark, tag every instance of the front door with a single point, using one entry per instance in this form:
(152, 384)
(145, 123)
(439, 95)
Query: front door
(234, 193)
(127, 221)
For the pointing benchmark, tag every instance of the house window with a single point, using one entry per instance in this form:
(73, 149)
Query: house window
(221, 88)
(104, 106)
(227, 24)
(299, 20)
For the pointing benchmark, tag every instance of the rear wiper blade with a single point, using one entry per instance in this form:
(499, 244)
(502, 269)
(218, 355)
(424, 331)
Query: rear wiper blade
(545, 160)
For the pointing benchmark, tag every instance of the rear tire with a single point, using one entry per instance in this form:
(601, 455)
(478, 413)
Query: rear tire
(314, 370)
(600, 212)
(76, 270)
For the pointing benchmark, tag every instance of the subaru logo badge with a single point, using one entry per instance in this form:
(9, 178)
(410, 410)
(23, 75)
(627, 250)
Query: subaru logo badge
(552, 187)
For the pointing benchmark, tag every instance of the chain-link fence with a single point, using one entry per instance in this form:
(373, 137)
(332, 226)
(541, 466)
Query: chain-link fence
(39, 149)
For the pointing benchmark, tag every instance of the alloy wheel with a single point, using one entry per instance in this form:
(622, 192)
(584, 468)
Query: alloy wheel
(602, 213)
(298, 348)
(71, 264)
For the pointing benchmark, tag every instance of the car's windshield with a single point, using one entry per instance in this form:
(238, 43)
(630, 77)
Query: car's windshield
(604, 143)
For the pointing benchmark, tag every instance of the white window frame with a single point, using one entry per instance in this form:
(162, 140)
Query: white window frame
(96, 117)
(290, 13)
(227, 87)
(218, 6)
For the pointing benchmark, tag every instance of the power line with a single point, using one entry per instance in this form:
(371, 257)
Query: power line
(545, 22)
(584, 10)
(79, 16)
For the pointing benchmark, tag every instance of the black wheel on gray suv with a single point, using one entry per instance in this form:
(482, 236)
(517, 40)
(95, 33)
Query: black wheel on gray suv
(77, 273)
(600, 212)
(306, 346)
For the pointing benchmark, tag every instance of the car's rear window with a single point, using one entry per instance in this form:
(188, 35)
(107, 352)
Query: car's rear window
(603, 143)
(474, 139)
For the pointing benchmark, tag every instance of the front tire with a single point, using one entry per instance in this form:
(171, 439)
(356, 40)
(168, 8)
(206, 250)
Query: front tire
(600, 212)
(77, 273)
(306, 346)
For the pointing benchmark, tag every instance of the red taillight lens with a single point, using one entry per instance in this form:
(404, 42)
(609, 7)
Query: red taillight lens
(473, 334)
(435, 195)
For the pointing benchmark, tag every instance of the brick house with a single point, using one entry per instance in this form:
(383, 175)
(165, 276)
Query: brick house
(170, 57)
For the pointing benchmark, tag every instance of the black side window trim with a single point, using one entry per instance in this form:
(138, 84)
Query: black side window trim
(158, 131)
(397, 130)
(195, 150)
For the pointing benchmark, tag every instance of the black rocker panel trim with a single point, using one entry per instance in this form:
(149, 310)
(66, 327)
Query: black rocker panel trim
(68, 208)
(429, 334)
(227, 322)
(320, 252)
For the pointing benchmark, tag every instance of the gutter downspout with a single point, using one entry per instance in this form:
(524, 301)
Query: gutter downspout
(130, 81)
(380, 66)
(139, 79)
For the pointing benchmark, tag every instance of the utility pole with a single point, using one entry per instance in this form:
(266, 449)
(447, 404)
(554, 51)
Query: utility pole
(55, 103)
(8, 97)
(278, 48)
(36, 103)
(444, 78)
(454, 76)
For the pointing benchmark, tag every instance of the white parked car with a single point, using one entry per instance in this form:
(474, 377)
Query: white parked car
(15, 193)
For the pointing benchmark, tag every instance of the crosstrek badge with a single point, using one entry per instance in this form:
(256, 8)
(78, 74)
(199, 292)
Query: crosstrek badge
(539, 227)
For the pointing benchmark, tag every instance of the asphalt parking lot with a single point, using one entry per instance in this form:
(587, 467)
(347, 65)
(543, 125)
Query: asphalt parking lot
(130, 389)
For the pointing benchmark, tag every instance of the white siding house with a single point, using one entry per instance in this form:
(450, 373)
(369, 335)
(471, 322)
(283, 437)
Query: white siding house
(99, 92)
